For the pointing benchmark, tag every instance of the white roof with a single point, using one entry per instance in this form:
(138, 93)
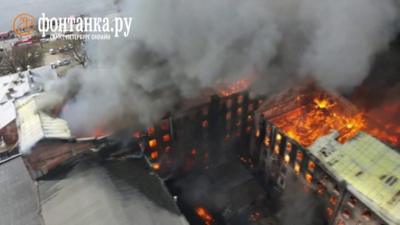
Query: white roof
(370, 168)
(22, 84)
(16, 86)
(35, 125)
(7, 113)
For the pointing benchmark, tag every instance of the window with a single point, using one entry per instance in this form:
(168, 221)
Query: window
(248, 129)
(321, 188)
(346, 213)
(297, 168)
(228, 116)
(367, 215)
(229, 103)
(249, 118)
(153, 143)
(166, 138)
(352, 202)
(278, 138)
(156, 166)
(299, 156)
(333, 200)
(288, 147)
(311, 166)
(250, 107)
(240, 99)
(239, 111)
(151, 131)
(329, 212)
(266, 141)
(168, 149)
(340, 222)
(154, 155)
(165, 125)
(308, 177)
(287, 158)
(276, 149)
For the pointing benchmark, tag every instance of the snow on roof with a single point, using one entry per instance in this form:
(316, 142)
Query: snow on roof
(7, 113)
(35, 125)
(370, 168)
(17, 85)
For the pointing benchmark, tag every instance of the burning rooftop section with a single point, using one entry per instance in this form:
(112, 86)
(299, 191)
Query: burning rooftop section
(308, 112)
(236, 86)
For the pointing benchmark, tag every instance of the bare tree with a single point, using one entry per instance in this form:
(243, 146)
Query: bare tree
(78, 51)
(19, 56)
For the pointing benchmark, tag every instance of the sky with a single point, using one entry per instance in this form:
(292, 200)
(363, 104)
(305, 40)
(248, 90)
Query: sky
(10, 8)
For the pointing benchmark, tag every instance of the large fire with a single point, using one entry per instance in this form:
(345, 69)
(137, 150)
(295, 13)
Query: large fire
(308, 113)
(204, 215)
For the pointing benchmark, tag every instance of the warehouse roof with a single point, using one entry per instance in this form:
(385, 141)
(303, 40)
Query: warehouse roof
(34, 125)
(114, 192)
(370, 168)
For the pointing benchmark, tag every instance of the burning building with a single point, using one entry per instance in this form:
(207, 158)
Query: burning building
(13, 87)
(45, 137)
(318, 136)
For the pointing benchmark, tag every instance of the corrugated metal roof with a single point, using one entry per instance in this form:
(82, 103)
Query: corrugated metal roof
(34, 125)
(19, 204)
(370, 168)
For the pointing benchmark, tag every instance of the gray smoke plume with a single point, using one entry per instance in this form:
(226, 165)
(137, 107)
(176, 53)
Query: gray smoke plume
(179, 47)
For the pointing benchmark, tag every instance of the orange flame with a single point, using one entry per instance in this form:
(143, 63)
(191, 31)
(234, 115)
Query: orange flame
(313, 113)
(204, 215)
(235, 87)
(310, 120)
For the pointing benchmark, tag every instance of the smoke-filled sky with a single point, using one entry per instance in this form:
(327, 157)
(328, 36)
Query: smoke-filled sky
(178, 47)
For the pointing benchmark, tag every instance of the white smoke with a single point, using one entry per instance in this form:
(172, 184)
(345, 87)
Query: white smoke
(178, 47)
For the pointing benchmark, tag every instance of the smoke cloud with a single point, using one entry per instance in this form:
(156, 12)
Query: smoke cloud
(180, 47)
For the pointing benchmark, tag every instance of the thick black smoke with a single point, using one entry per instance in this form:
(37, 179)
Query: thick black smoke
(179, 47)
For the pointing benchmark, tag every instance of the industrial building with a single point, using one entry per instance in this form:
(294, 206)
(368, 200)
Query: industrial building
(226, 158)
(357, 180)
